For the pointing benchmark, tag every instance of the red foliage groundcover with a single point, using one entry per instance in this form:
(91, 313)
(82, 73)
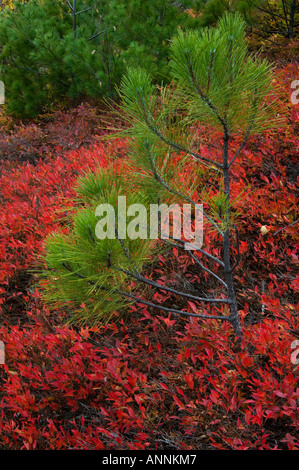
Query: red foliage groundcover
(147, 381)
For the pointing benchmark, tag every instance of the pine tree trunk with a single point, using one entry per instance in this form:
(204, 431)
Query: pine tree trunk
(75, 18)
(235, 321)
(234, 315)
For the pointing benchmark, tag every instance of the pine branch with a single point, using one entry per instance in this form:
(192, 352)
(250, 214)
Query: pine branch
(252, 121)
(207, 270)
(83, 11)
(241, 146)
(205, 99)
(283, 228)
(205, 253)
(97, 34)
(159, 178)
(70, 6)
(172, 310)
(150, 123)
(126, 252)
(170, 289)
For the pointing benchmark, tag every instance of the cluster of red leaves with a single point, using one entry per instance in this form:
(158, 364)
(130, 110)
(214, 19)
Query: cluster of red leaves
(150, 381)
(54, 134)
(33, 199)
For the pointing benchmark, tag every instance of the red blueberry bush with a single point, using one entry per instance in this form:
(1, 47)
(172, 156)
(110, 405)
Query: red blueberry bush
(145, 380)
(52, 134)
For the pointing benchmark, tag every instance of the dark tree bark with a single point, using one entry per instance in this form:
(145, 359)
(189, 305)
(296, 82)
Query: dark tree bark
(292, 19)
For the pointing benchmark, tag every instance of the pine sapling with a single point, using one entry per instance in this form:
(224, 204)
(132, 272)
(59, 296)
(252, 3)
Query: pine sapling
(216, 83)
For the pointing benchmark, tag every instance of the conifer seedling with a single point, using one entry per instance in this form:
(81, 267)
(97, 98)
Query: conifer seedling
(216, 83)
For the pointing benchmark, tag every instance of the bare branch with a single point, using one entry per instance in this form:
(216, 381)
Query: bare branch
(283, 228)
(172, 310)
(243, 143)
(70, 6)
(203, 252)
(97, 34)
(83, 11)
(206, 269)
(170, 289)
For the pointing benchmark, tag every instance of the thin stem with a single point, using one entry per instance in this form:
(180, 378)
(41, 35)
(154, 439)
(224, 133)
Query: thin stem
(244, 141)
(170, 289)
(97, 34)
(203, 252)
(159, 178)
(150, 123)
(83, 11)
(283, 228)
(207, 270)
(126, 252)
(172, 310)
(205, 98)
(70, 6)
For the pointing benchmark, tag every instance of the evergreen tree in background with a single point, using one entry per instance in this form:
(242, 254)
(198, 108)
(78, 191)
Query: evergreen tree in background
(265, 17)
(80, 48)
(41, 59)
(144, 30)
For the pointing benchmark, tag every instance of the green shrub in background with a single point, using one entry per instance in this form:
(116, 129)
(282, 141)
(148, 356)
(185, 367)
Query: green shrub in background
(265, 17)
(79, 49)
